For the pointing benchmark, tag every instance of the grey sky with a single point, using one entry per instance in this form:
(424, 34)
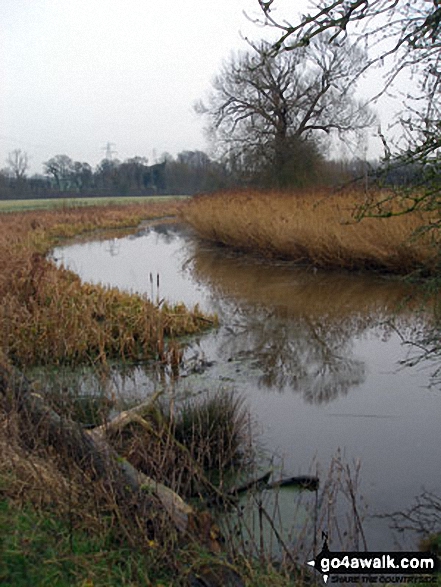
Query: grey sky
(76, 75)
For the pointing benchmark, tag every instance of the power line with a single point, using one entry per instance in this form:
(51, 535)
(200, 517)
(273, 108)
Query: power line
(109, 151)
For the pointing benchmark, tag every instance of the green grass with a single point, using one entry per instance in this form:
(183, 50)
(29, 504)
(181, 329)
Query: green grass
(39, 549)
(54, 203)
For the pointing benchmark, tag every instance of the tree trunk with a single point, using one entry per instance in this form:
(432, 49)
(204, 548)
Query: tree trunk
(92, 453)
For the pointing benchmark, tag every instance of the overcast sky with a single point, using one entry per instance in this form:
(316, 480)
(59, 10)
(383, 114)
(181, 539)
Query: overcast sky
(76, 75)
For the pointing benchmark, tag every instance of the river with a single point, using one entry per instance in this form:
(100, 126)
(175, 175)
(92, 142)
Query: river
(316, 354)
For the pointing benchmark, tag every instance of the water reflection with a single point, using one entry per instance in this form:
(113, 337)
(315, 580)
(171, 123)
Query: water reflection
(299, 290)
(300, 354)
(113, 247)
(292, 328)
(298, 325)
(315, 354)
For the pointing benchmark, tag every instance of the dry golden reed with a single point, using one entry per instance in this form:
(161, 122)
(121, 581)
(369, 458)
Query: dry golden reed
(315, 227)
(48, 316)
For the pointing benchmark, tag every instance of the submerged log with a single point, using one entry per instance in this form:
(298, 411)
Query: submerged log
(302, 481)
(258, 482)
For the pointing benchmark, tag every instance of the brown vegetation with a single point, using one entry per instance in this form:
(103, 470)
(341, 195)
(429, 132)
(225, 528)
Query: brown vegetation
(315, 227)
(48, 316)
(52, 465)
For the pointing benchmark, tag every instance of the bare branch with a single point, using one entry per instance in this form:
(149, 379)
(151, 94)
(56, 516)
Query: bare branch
(18, 163)
(266, 107)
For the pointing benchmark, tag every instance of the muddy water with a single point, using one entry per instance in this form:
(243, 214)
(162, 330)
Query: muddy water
(316, 354)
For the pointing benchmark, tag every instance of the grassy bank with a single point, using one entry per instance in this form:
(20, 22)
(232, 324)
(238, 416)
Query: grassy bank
(315, 227)
(62, 524)
(38, 551)
(42, 550)
(47, 316)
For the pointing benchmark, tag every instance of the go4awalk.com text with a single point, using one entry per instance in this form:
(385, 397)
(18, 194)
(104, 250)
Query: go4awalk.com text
(376, 567)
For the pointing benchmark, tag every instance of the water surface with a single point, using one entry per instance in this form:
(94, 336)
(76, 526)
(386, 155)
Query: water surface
(316, 354)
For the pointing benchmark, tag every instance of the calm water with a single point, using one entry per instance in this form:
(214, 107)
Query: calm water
(316, 354)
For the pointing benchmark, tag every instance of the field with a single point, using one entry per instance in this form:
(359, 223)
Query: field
(320, 228)
(61, 203)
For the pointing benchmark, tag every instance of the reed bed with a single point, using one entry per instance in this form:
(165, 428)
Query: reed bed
(48, 316)
(317, 227)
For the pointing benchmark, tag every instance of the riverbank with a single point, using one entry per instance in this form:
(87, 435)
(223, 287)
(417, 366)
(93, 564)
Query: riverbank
(75, 512)
(57, 527)
(47, 316)
(65, 519)
(316, 227)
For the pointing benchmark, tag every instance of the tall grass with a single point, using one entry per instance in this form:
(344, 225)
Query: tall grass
(215, 429)
(315, 227)
(65, 525)
(48, 316)
(192, 445)
(75, 522)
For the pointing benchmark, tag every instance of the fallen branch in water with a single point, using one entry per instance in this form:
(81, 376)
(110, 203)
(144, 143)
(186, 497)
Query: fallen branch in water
(149, 419)
(135, 493)
(259, 482)
(302, 481)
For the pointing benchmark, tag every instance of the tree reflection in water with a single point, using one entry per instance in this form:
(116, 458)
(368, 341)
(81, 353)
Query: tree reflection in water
(296, 325)
(292, 329)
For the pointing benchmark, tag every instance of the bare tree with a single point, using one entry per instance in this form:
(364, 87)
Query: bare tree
(267, 107)
(411, 24)
(18, 162)
(61, 168)
(401, 36)
(135, 172)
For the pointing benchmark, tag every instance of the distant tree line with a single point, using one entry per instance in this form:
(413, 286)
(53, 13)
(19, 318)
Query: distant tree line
(271, 117)
(189, 173)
